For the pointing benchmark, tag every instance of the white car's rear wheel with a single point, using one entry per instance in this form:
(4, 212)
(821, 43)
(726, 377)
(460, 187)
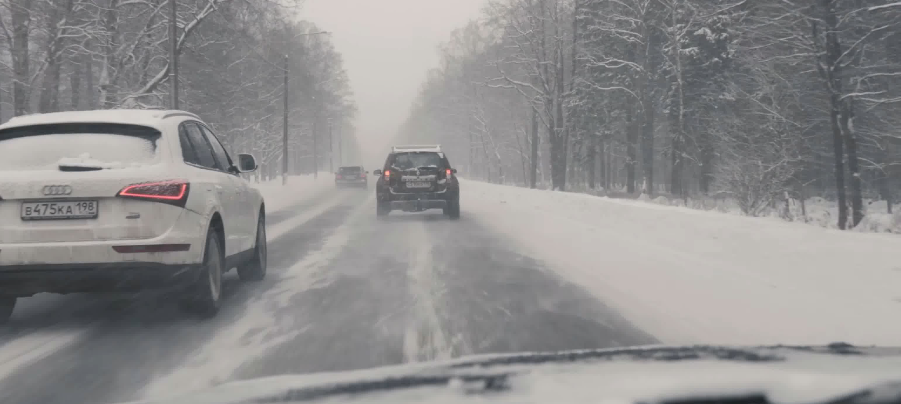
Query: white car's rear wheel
(255, 269)
(204, 297)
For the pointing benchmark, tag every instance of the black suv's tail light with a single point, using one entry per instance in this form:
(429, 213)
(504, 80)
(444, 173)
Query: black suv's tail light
(173, 192)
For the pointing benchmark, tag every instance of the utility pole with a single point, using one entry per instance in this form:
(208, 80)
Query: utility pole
(340, 145)
(315, 146)
(285, 127)
(331, 156)
(285, 123)
(173, 54)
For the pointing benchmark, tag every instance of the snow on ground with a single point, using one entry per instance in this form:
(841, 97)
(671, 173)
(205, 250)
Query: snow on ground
(690, 276)
(817, 211)
(298, 189)
(21, 352)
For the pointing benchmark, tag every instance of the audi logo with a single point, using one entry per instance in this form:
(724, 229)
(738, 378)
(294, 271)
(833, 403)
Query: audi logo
(57, 190)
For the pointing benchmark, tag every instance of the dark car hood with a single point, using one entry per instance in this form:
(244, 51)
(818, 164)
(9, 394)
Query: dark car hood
(826, 374)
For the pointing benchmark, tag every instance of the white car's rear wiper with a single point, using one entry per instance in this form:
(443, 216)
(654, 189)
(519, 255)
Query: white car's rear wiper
(85, 163)
(79, 167)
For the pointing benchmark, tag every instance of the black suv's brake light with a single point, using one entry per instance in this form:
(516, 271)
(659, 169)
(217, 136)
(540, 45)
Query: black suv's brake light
(174, 192)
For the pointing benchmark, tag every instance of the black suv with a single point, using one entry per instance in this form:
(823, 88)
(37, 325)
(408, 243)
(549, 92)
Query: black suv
(415, 179)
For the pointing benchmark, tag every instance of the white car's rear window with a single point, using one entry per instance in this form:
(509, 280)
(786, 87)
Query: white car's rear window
(78, 147)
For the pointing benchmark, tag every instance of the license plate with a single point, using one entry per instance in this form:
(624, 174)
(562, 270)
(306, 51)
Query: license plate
(59, 210)
(418, 184)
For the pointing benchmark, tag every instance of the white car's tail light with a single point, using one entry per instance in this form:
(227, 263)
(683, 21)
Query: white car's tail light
(173, 192)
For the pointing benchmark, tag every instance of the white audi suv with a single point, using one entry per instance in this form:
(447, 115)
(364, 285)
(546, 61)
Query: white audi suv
(124, 200)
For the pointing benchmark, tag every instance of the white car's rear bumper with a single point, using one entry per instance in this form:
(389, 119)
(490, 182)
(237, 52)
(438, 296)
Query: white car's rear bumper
(85, 266)
(187, 230)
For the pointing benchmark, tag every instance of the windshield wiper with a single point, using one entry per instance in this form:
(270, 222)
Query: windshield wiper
(650, 353)
(472, 384)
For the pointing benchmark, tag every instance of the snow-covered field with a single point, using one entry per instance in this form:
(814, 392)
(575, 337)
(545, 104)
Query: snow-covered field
(690, 276)
(816, 211)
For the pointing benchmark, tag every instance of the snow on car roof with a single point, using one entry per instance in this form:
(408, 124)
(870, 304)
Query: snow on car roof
(143, 117)
(416, 148)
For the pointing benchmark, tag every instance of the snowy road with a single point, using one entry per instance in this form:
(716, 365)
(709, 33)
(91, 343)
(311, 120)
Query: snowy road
(344, 291)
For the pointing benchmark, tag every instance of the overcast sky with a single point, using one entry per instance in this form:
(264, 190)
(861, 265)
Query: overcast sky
(388, 45)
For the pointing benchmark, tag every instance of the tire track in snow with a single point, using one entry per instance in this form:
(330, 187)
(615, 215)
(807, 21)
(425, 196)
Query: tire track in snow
(258, 329)
(283, 227)
(31, 348)
(423, 339)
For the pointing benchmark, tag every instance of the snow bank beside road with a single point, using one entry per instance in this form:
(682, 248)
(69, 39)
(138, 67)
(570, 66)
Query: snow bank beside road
(689, 276)
(298, 189)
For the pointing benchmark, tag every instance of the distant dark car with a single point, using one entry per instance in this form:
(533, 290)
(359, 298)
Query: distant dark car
(353, 176)
(415, 179)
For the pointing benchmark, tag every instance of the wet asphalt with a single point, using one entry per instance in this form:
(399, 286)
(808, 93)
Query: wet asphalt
(345, 291)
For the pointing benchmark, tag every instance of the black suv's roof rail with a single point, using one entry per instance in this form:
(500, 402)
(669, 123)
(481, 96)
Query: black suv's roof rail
(408, 148)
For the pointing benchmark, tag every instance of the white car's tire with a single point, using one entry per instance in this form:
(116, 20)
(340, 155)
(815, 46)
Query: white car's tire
(255, 269)
(205, 296)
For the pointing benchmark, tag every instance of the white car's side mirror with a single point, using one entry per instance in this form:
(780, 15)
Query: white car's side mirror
(246, 163)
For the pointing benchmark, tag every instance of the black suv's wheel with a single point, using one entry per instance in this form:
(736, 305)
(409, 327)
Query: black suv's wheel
(7, 304)
(453, 209)
(204, 297)
(255, 269)
(382, 208)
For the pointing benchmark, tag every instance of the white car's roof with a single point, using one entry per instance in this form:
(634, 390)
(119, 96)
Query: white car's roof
(143, 117)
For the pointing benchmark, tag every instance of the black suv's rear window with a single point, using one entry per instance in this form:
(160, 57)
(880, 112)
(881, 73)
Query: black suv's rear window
(410, 160)
(43, 147)
(350, 170)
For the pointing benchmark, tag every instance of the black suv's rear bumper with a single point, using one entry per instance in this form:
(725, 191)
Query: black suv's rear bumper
(417, 201)
(27, 280)
(418, 205)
